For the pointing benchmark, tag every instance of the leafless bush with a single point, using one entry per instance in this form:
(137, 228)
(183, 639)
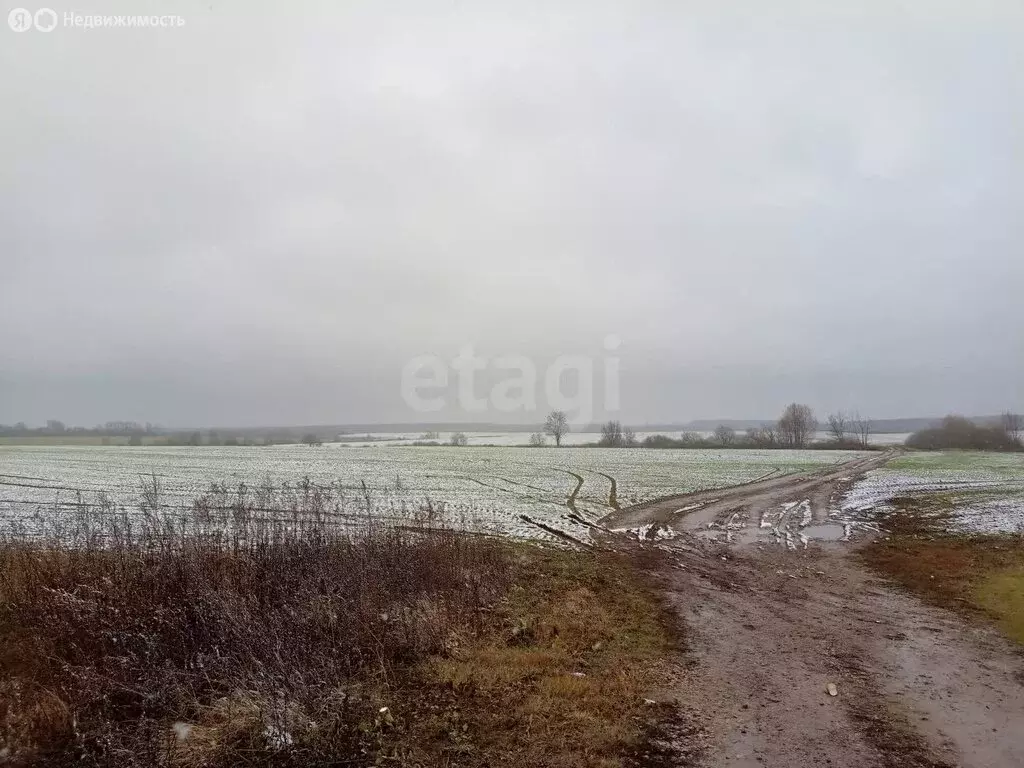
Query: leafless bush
(1013, 425)
(837, 426)
(762, 437)
(614, 435)
(862, 427)
(725, 435)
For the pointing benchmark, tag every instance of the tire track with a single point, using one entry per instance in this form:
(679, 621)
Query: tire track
(570, 502)
(613, 500)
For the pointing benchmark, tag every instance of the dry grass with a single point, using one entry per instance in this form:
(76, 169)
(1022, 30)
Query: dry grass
(979, 575)
(268, 630)
(558, 676)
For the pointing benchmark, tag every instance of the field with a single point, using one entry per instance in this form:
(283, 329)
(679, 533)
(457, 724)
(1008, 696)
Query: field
(291, 646)
(947, 515)
(486, 487)
(472, 650)
(984, 492)
(151, 646)
(401, 438)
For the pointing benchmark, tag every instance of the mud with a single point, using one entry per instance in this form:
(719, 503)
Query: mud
(770, 626)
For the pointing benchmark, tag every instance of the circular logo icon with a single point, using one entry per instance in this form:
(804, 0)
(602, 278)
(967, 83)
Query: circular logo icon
(20, 20)
(45, 19)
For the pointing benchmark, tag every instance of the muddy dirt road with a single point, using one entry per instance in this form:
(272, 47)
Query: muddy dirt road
(776, 505)
(774, 620)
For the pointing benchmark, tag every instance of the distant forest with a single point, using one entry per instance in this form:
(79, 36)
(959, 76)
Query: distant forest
(140, 433)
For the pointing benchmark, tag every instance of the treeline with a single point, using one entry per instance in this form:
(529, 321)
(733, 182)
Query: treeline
(55, 428)
(795, 428)
(214, 437)
(958, 432)
(138, 433)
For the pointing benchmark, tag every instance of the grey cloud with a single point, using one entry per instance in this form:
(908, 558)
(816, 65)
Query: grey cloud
(259, 217)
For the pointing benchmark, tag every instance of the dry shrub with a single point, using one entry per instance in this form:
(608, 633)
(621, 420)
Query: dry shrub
(260, 627)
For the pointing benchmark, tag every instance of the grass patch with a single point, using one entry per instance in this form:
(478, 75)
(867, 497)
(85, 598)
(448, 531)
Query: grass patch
(558, 676)
(998, 465)
(977, 575)
(261, 630)
(1002, 595)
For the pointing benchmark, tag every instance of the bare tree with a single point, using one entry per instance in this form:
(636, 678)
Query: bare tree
(763, 437)
(557, 425)
(611, 434)
(537, 440)
(797, 425)
(862, 428)
(1013, 425)
(725, 434)
(458, 439)
(837, 426)
(629, 437)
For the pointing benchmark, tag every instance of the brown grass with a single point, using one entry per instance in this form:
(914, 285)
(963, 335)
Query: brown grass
(269, 631)
(978, 575)
(559, 675)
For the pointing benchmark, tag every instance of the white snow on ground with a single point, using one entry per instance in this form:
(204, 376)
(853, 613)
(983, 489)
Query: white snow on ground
(997, 516)
(481, 488)
(643, 532)
(987, 490)
(880, 486)
(805, 512)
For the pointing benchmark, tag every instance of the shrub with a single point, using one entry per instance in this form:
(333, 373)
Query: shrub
(956, 432)
(660, 441)
(266, 627)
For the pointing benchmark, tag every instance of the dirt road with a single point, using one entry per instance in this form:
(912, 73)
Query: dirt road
(773, 619)
(776, 505)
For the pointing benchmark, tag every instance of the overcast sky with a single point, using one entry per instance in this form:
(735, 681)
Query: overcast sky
(261, 216)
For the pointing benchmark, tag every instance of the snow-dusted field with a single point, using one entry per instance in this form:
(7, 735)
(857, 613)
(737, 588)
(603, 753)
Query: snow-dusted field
(487, 487)
(572, 438)
(482, 438)
(986, 489)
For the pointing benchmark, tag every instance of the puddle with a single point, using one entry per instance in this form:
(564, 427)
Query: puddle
(824, 532)
(789, 538)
